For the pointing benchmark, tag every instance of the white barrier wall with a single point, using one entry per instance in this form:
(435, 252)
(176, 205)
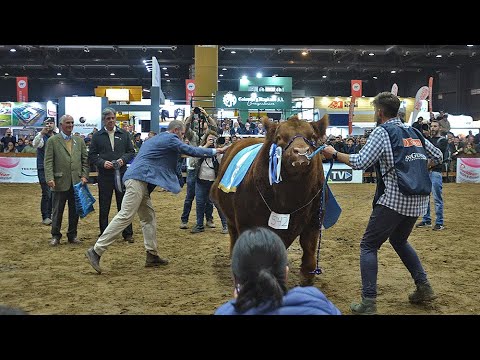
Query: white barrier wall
(468, 170)
(342, 173)
(18, 170)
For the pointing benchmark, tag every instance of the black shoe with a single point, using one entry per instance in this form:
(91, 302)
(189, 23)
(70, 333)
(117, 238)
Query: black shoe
(75, 240)
(424, 293)
(197, 229)
(129, 239)
(94, 259)
(154, 260)
(423, 224)
(368, 306)
(438, 227)
(55, 241)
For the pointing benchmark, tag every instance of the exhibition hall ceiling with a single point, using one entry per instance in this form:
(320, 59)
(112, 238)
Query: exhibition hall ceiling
(123, 64)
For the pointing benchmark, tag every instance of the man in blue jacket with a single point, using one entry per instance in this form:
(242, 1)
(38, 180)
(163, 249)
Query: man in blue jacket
(154, 165)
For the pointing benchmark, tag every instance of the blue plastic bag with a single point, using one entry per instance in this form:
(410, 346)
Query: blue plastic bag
(84, 199)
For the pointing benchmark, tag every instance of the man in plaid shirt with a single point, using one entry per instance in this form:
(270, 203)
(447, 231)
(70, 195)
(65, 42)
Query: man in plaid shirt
(394, 214)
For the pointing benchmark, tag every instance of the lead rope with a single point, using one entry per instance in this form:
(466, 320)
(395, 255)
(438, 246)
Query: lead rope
(321, 213)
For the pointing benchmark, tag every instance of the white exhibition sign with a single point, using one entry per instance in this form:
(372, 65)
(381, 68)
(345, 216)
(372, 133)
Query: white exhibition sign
(86, 112)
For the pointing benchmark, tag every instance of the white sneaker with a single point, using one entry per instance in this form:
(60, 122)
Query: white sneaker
(47, 221)
(210, 224)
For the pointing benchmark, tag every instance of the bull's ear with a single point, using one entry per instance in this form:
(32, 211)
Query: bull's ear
(268, 125)
(320, 126)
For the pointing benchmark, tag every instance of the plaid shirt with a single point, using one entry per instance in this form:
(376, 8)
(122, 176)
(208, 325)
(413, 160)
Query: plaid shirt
(379, 148)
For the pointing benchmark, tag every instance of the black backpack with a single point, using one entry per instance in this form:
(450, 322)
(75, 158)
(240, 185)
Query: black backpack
(410, 161)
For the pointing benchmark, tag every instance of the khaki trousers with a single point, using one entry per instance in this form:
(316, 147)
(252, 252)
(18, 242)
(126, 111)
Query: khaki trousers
(136, 200)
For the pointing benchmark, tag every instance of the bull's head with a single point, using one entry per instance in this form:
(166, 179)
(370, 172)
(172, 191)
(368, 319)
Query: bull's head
(297, 138)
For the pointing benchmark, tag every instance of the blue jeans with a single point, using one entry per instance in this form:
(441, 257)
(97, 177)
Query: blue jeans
(187, 205)
(386, 223)
(202, 194)
(437, 185)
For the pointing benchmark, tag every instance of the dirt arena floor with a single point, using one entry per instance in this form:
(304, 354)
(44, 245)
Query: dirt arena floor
(44, 280)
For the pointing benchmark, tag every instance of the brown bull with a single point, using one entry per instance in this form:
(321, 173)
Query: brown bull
(298, 194)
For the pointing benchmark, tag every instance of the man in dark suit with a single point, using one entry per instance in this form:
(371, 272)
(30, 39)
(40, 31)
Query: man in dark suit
(154, 165)
(66, 164)
(39, 144)
(110, 150)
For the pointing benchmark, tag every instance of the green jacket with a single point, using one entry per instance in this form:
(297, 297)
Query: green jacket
(65, 169)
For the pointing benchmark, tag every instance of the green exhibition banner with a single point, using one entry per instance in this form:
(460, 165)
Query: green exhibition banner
(245, 100)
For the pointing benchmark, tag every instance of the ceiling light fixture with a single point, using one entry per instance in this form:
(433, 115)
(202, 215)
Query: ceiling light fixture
(371, 54)
(13, 50)
(233, 52)
(112, 74)
(59, 74)
(375, 77)
(224, 69)
(86, 49)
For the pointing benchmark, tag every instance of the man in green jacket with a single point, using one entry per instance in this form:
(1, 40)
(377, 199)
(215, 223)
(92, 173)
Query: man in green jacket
(66, 164)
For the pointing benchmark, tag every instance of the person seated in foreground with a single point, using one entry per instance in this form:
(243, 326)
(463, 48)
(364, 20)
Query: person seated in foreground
(260, 267)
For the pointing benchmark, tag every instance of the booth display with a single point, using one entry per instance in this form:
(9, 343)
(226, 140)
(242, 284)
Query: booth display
(86, 112)
(30, 114)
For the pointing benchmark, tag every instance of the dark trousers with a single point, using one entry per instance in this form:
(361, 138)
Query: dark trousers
(46, 201)
(386, 223)
(59, 198)
(187, 205)
(106, 187)
(202, 195)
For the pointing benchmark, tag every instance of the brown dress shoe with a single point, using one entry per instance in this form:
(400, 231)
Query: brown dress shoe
(94, 259)
(55, 241)
(154, 260)
(75, 240)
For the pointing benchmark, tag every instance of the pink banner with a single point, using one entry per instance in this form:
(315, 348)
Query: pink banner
(468, 170)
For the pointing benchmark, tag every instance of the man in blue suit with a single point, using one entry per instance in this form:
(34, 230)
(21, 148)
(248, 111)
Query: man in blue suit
(154, 165)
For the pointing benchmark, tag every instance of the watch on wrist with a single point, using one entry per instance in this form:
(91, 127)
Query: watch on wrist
(335, 155)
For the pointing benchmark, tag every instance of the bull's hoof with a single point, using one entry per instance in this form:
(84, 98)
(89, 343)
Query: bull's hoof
(307, 280)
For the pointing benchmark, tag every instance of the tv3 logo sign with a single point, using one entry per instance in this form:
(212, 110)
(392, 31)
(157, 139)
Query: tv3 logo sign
(341, 175)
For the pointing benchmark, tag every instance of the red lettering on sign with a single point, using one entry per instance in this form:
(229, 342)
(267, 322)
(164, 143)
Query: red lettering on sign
(412, 142)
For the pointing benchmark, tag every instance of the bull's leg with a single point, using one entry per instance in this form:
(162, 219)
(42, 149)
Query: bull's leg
(308, 242)
(232, 231)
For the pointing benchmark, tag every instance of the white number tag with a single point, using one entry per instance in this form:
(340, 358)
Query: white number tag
(279, 221)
